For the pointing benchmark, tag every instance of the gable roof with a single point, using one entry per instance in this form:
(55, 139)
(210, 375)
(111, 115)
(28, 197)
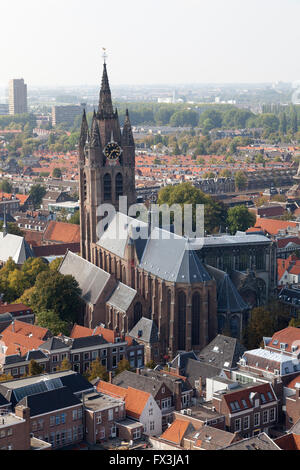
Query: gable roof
(260, 442)
(81, 331)
(51, 400)
(273, 226)
(54, 343)
(122, 297)
(243, 397)
(18, 343)
(288, 442)
(11, 308)
(176, 432)
(15, 247)
(27, 329)
(91, 279)
(62, 232)
(211, 438)
(290, 336)
(222, 351)
(130, 379)
(135, 400)
(196, 369)
(145, 330)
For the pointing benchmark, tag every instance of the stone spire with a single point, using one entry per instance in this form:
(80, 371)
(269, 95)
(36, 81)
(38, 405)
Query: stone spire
(105, 103)
(84, 131)
(127, 136)
(95, 134)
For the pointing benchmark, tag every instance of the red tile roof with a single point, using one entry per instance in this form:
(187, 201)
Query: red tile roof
(272, 226)
(12, 308)
(81, 331)
(293, 383)
(244, 394)
(62, 232)
(283, 242)
(289, 336)
(135, 400)
(19, 343)
(175, 433)
(28, 330)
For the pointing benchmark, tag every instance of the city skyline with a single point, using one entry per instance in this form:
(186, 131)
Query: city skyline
(169, 44)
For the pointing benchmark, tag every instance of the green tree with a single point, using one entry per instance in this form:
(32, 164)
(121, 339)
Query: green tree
(56, 173)
(240, 180)
(122, 365)
(34, 368)
(239, 218)
(6, 187)
(12, 228)
(96, 370)
(75, 218)
(59, 293)
(283, 123)
(52, 321)
(65, 364)
(265, 321)
(37, 192)
(151, 364)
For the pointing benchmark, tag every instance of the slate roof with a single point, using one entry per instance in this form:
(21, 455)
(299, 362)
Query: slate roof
(130, 379)
(5, 317)
(165, 378)
(16, 358)
(196, 369)
(122, 297)
(49, 401)
(229, 299)
(115, 238)
(172, 259)
(15, 390)
(88, 341)
(90, 278)
(180, 361)
(211, 438)
(145, 330)
(222, 351)
(260, 442)
(52, 344)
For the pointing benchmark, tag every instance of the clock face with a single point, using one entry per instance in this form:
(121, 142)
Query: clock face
(112, 151)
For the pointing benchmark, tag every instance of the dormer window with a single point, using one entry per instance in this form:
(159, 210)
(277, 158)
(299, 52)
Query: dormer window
(283, 346)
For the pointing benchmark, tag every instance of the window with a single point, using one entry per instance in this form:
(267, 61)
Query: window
(9, 432)
(263, 399)
(107, 187)
(136, 434)
(104, 353)
(265, 416)
(151, 425)
(34, 425)
(102, 433)
(75, 434)
(110, 415)
(114, 361)
(63, 418)
(86, 356)
(237, 425)
(55, 358)
(94, 354)
(166, 403)
(76, 358)
(151, 412)
(246, 422)
(256, 419)
(74, 414)
(270, 396)
(99, 418)
(57, 442)
(272, 414)
(40, 423)
(57, 420)
(15, 371)
(22, 370)
(244, 403)
(79, 413)
(2, 434)
(52, 420)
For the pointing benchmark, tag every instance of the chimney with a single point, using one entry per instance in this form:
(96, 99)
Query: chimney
(110, 376)
(138, 371)
(177, 395)
(13, 326)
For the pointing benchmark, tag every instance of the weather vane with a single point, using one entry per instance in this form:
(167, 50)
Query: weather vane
(104, 55)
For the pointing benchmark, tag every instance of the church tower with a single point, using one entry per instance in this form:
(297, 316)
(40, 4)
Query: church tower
(106, 165)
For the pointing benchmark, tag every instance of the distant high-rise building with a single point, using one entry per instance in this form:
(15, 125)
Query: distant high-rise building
(66, 114)
(4, 109)
(17, 96)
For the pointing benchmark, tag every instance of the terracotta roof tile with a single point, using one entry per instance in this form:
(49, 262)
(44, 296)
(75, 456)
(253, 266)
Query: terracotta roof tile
(289, 336)
(175, 432)
(135, 400)
(27, 330)
(62, 232)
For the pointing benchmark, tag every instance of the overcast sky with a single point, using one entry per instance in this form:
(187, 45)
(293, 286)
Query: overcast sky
(59, 42)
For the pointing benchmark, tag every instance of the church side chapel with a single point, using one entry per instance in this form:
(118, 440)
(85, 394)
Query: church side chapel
(124, 279)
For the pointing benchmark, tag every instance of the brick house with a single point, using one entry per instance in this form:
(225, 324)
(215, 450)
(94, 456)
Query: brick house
(56, 416)
(101, 414)
(248, 410)
(18, 312)
(140, 407)
(293, 404)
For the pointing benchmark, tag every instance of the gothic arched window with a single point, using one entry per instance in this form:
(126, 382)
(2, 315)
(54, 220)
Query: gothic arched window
(181, 320)
(107, 187)
(119, 186)
(196, 318)
(84, 187)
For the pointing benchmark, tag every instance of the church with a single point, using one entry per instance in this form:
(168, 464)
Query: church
(188, 295)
